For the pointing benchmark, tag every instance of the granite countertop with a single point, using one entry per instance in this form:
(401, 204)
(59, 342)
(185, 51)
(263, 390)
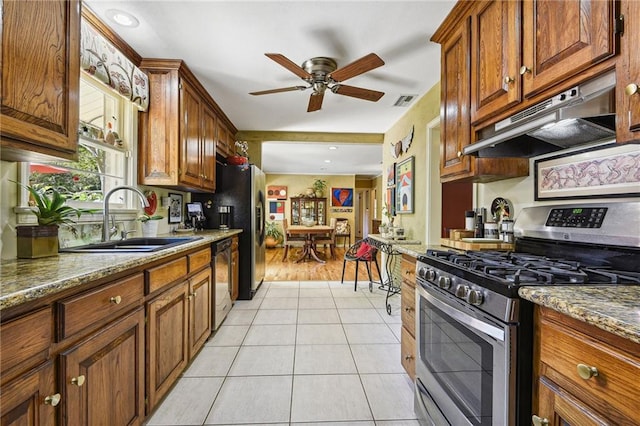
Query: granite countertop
(413, 248)
(24, 280)
(615, 309)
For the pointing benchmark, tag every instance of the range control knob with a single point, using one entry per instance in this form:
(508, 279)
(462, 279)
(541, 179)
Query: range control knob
(474, 297)
(431, 274)
(422, 272)
(444, 282)
(462, 291)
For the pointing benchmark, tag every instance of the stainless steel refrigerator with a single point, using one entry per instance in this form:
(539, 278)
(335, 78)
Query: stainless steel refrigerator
(240, 190)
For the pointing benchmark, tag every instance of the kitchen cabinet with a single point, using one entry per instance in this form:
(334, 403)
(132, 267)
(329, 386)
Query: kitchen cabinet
(40, 78)
(104, 375)
(235, 268)
(628, 76)
(455, 37)
(408, 314)
(583, 374)
(308, 208)
(31, 399)
(225, 140)
(177, 135)
(200, 314)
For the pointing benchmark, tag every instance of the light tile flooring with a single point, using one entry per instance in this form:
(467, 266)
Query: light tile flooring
(310, 352)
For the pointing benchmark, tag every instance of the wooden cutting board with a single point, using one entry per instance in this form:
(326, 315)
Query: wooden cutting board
(463, 245)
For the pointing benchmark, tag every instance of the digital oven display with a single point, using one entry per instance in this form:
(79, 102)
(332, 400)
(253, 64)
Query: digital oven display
(580, 217)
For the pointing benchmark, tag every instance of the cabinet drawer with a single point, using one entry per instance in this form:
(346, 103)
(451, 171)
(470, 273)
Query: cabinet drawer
(199, 259)
(408, 306)
(617, 372)
(25, 341)
(79, 312)
(408, 270)
(408, 353)
(168, 273)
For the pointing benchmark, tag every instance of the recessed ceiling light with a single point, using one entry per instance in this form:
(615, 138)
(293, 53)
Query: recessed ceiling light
(327, 161)
(122, 18)
(333, 148)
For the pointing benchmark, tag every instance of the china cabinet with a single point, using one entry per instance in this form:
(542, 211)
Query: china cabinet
(311, 209)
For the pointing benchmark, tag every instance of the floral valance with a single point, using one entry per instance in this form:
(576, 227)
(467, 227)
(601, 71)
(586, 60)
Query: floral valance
(100, 59)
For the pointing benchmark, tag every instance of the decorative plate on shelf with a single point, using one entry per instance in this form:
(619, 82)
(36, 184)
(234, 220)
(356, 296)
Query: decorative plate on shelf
(501, 207)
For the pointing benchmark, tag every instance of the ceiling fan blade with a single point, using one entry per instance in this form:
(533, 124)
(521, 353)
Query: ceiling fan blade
(289, 64)
(357, 67)
(315, 102)
(284, 89)
(357, 92)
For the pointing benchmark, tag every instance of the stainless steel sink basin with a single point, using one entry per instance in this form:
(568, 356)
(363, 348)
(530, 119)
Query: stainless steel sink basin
(132, 245)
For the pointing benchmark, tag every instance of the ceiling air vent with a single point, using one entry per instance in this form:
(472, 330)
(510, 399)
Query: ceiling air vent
(404, 100)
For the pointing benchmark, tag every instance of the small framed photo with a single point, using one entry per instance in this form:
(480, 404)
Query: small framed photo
(175, 208)
(391, 175)
(404, 186)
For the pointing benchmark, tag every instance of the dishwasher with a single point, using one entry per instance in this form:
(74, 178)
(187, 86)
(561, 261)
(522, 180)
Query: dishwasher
(222, 282)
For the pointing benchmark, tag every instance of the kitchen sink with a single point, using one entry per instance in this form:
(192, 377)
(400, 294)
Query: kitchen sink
(132, 245)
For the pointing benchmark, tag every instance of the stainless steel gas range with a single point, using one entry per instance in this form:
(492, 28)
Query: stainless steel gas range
(474, 334)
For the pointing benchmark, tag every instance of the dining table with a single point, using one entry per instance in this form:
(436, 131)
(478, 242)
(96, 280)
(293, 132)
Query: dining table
(309, 250)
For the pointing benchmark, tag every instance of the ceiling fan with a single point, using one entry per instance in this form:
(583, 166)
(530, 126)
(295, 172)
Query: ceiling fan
(323, 73)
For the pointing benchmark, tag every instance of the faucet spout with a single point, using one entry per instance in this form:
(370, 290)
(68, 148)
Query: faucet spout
(105, 219)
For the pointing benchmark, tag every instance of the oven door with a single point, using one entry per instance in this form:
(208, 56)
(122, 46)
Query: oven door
(464, 362)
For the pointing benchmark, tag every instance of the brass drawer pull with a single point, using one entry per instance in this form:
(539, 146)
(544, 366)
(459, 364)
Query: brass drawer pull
(52, 400)
(631, 89)
(116, 300)
(524, 70)
(78, 381)
(508, 80)
(586, 371)
(408, 309)
(539, 421)
(408, 357)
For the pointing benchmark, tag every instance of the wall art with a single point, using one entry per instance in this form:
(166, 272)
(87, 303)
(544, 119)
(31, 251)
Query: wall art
(609, 172)
(276, 210)
(175, 208)
(342, 197)
(404, 186)
(391, 175)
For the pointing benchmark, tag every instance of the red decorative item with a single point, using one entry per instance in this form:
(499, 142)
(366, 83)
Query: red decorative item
(237, 160)
(152, 198)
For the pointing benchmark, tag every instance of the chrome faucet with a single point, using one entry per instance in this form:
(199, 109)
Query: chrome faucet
(105, 219)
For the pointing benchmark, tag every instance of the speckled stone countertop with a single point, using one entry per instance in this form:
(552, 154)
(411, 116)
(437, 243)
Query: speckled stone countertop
(24, 280)
(612, 308)
(413, 248)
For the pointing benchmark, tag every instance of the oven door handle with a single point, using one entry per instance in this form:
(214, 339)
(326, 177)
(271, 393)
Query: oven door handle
(463, 318)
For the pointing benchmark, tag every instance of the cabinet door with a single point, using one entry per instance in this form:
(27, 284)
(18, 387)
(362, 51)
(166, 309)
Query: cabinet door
(31, 398)
(408, 352)
(190, 106)
(495, 58)
(40, 73)
(222, 139)
(208, 141)
(564, 38)
(455, 85)
(103, 376)
(628, 76)
(167, 331)
(199, 311)
(559, 407)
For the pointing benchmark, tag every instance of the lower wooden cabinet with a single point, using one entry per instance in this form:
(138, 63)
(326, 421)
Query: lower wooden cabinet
(408, 314)
(31, 399)
(200, 307)
(103, 376)
(584, 375)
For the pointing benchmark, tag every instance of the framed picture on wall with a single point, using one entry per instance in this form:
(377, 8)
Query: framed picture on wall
(391, 175)
(175, 208)
(341, 197)
(390, 201)
(404, 186)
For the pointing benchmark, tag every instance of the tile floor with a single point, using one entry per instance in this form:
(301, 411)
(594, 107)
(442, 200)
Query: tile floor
(312, 353)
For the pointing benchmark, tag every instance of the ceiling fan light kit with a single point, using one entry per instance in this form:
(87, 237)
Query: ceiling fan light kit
(322, 73)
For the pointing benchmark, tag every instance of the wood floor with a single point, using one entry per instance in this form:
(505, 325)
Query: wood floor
(310, 270)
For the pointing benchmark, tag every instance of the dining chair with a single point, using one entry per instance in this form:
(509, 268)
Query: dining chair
(328, 239)
(343, 230)
(361, 251)
(291, 240)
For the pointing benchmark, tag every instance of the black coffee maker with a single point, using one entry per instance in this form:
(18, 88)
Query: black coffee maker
(195, 216)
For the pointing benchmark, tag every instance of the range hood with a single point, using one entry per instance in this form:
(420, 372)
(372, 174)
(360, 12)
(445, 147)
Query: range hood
(577, 116)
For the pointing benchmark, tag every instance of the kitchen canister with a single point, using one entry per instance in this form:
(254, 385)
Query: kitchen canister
(506, 231)
(469, 220)
(491, 230)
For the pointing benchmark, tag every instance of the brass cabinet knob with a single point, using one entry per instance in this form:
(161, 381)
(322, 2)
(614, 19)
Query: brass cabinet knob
(587, 371)
(408, 357)
(508, 80)
(631, 89)
(459, 154)
(408, 309)
(524, 70)
(539, 421)
(116, 300)
(52, 400)
(78, 381)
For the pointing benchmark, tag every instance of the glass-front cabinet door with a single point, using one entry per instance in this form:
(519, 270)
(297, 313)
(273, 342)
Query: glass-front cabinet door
(311, 209)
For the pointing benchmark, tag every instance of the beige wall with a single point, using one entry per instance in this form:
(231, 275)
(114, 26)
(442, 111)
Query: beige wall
(419, 115)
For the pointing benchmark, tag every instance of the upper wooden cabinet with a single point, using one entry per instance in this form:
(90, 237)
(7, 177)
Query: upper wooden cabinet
(628, 76)
(177, 135)
(225, 142)
(40, 74)
(562, 39)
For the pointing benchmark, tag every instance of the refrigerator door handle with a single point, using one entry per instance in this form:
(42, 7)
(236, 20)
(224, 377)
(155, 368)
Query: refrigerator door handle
(260, 217)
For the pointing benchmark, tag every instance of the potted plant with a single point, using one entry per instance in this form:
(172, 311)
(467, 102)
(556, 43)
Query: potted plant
(149, 224)
(319, 186)
(51, 210)
(273, 235)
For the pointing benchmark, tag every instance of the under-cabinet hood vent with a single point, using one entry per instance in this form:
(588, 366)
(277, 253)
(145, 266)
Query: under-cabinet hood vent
(577, 116)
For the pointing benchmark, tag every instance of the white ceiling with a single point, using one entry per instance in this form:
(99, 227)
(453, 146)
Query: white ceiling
(224, 42)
